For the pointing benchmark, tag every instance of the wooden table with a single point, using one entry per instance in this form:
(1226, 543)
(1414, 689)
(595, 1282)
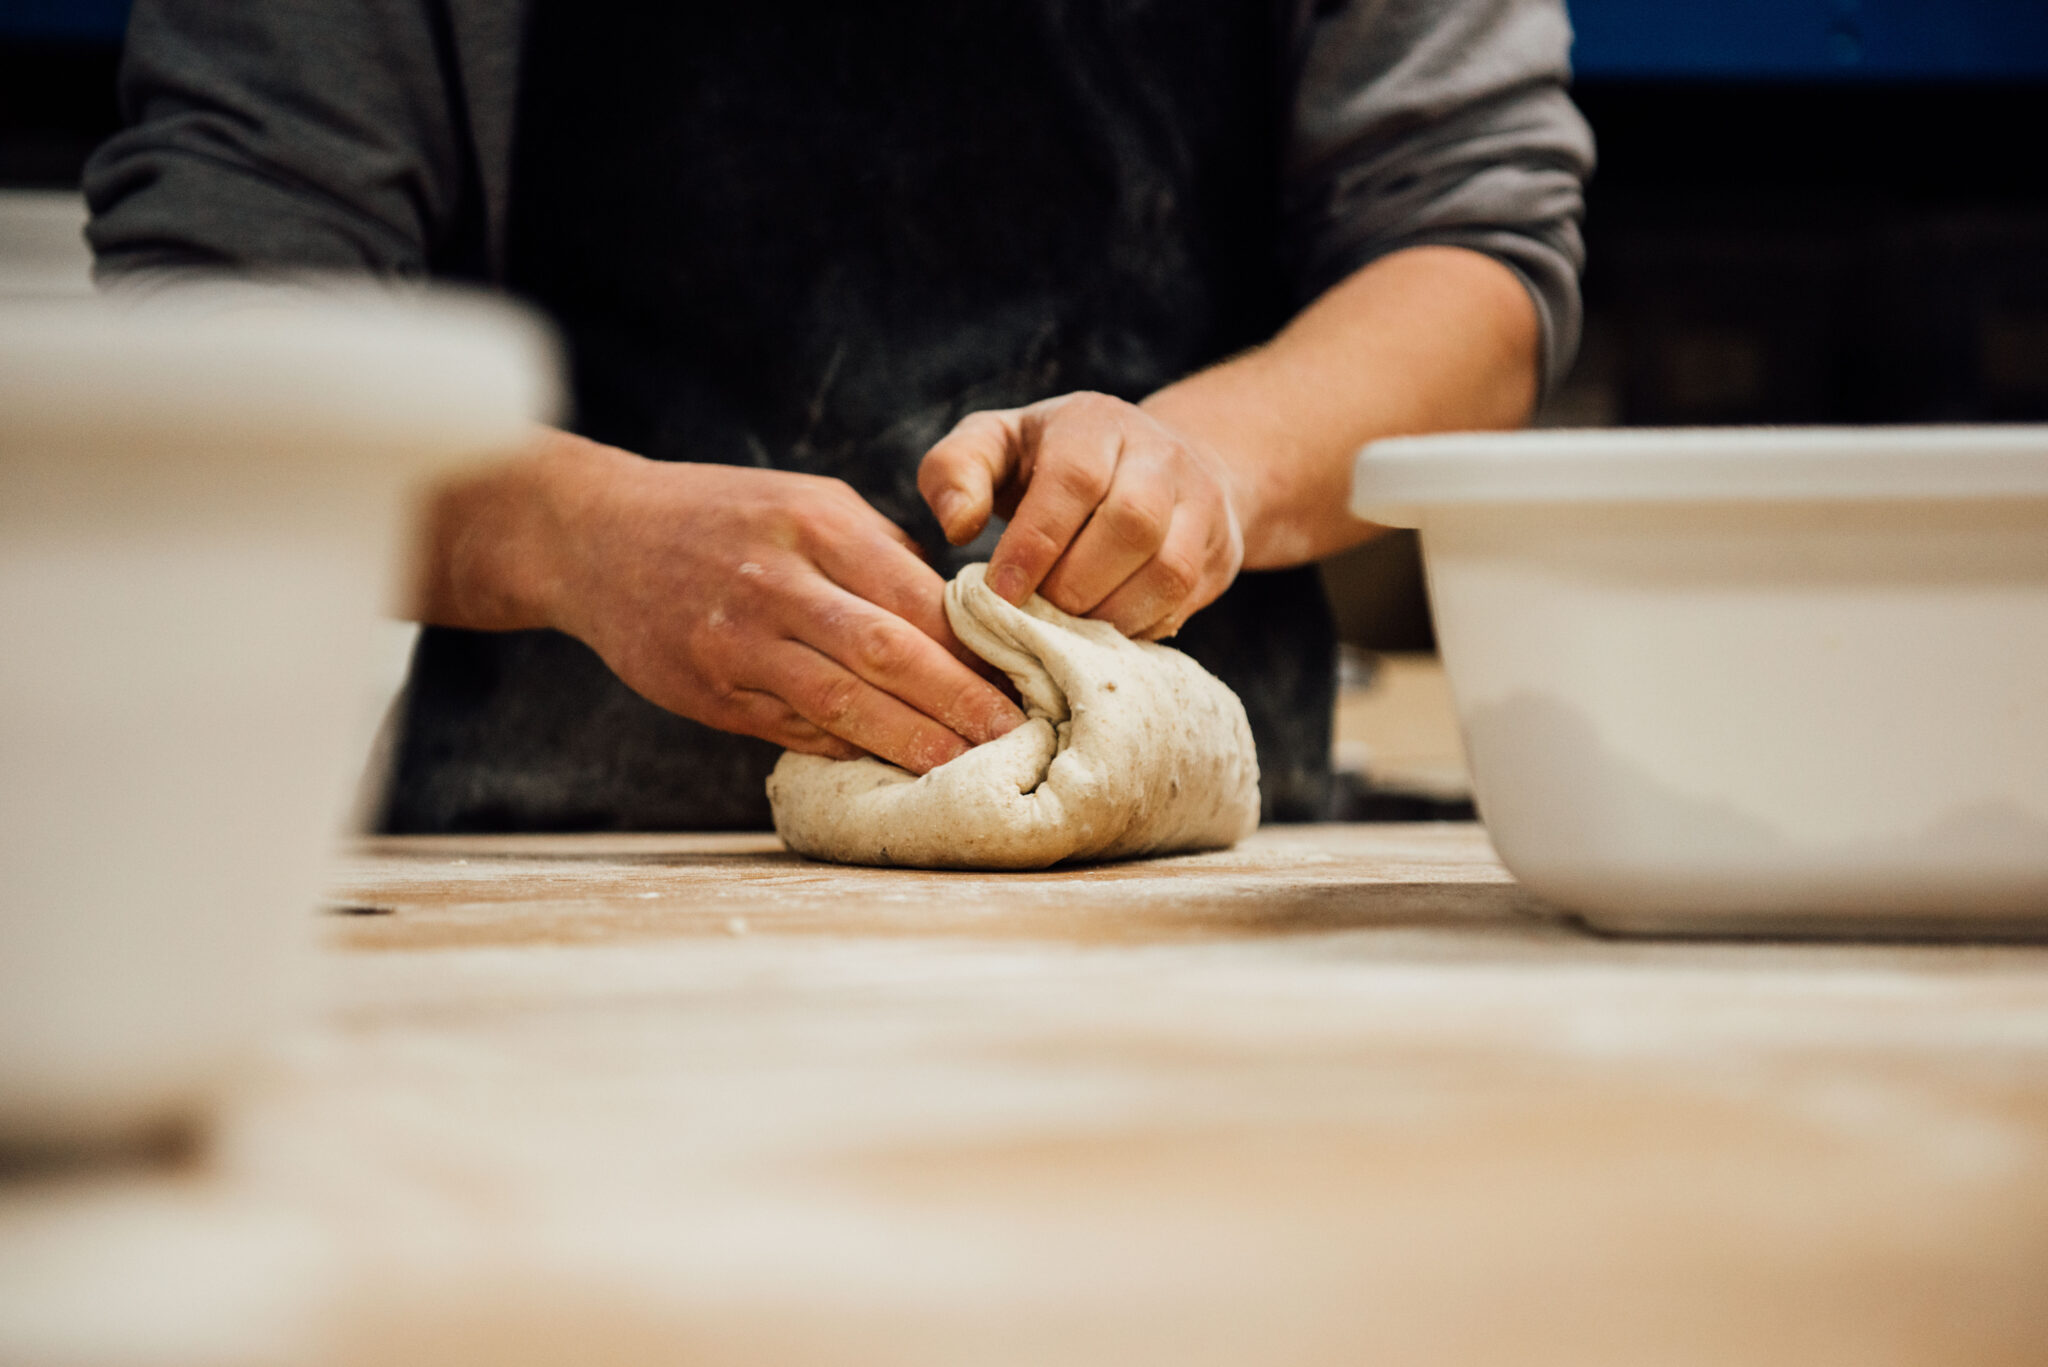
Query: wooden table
(1343, 1095)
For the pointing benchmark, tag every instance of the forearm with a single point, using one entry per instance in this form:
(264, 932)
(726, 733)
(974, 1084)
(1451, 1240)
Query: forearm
(1423, 340)
(484, 545)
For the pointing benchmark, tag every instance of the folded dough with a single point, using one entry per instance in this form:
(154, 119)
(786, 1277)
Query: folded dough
(1128, 749)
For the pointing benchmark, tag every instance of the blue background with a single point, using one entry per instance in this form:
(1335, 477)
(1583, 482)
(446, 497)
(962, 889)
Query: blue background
(72, 20)
(1618, 39)
(1812, 39)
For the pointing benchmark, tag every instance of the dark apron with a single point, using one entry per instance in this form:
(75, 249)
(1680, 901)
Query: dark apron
(812, 237)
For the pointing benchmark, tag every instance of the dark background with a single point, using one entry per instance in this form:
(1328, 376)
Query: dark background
(1806, 211)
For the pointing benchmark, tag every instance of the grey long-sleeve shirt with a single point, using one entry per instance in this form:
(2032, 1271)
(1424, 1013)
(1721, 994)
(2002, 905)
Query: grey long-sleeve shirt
(376, 135)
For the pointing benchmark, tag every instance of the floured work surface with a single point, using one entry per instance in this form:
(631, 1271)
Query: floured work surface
(1337, 1095)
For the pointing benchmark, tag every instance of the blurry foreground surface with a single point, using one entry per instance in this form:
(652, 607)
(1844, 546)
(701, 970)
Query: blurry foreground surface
(1341, 1095)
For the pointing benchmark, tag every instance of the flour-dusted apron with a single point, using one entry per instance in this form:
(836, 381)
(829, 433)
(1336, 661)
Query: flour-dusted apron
(811, 236)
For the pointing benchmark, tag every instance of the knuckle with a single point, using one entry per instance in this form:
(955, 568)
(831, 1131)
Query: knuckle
(1178, 576)
(733, 708)
(824, 527)
(881, 648)
(718, 620)
(1093, 403)
(1134, 523)
(833, 699)
(1065, 598)
(802, 525)
(1034, 544)
(984, 422)
(970, 706)
(1081, 480)
(717, 643)
(835, 499)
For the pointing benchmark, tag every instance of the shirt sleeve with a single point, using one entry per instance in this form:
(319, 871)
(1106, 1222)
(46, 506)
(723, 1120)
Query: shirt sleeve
(296, 134)
(1439, 122)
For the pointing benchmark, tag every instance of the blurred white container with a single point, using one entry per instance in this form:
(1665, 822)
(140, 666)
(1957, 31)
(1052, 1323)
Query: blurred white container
(1765, 681)
(200, 505)
(42, 243)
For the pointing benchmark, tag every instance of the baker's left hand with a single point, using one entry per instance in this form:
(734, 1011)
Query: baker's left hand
(1113, 514)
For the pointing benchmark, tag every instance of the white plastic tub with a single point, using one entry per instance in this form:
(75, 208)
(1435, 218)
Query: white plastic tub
(199, 505)
(1766, 681)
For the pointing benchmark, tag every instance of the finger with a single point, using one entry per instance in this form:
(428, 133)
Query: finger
(1191, 568)
(1073, 453)
(840, 513)
(960, 476)
(863, 551)
(900, 584)
(1165, 629)
(892, 655)
(1123, 534)
(885, 573)
(763, 714)
(840, 703)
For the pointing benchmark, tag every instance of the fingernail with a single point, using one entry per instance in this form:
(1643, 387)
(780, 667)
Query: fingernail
(947, 507)
(1006, 721)
(1009, 585)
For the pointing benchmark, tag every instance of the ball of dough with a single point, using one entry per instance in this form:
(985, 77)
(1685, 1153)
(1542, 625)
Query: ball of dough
(1128, 749)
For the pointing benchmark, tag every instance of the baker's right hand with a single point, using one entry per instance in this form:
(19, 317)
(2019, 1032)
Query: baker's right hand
(773, 604)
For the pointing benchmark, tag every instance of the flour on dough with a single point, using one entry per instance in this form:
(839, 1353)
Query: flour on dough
(1128, 749)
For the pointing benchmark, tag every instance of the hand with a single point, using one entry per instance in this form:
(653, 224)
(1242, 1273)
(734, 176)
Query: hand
(1113, 514)
(773, 604)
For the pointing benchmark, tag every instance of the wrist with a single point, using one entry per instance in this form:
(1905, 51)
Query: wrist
(1231, 454)
(498, 549)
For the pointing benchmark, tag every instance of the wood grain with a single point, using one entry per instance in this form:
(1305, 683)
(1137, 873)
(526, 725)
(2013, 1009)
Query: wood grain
(1341, 1095)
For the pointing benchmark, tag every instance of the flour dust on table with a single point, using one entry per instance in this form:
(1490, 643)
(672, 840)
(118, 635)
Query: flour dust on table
(1128, 749)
